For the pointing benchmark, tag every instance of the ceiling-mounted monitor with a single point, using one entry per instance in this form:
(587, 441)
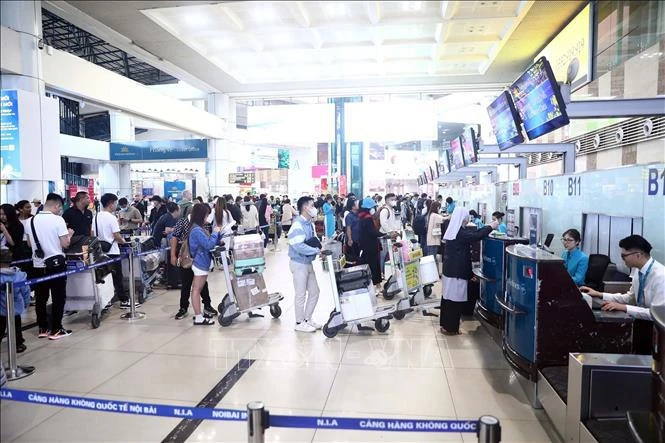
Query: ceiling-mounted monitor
(438, 171)
(469, 141)
(456, 155)
(505, 121)
(538, 100)
(431, 174)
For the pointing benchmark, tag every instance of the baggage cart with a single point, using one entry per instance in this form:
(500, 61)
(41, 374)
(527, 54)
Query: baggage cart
(352, 288)
(87, 290)
(146, 267)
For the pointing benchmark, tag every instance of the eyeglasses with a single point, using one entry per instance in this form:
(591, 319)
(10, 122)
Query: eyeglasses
(567, 240)
(623, 256)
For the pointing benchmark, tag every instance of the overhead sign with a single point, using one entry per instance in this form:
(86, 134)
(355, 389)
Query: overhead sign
(569, 51)
(10, 146)
(242, 177)
(159, 150)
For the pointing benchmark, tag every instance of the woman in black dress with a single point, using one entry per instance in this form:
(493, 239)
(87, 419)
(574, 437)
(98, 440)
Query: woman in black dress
(368, 241)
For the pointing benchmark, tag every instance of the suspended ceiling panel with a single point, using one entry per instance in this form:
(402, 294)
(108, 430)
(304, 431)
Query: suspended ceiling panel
(273, 42)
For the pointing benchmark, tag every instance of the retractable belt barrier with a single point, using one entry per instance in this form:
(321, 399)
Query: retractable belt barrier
(487, 428)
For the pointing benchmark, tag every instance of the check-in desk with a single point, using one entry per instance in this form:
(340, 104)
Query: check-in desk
(649, 426)
(546, 317)
(492, 277)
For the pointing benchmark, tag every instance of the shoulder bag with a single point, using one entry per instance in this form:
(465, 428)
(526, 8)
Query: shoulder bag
(185, 259)
(106, 246)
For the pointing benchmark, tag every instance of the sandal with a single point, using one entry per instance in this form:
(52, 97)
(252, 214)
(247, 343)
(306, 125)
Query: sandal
(205, 322)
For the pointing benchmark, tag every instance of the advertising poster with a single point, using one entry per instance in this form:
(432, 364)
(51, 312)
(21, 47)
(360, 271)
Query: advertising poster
(343, 190)
(10, 145)
(91, 189)
(510, 222)
(159, 150)
(377, 151)
(283, 158)
(322, 154)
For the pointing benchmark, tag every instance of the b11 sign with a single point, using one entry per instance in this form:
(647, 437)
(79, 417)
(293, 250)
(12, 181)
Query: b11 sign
(10, 145)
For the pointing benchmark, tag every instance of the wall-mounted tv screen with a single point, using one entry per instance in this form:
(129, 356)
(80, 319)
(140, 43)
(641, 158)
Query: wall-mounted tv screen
(431, 174)
(420, 181)
(538, 100)
(469, 140)
(505, 121)
(437, 170)
(456, 154)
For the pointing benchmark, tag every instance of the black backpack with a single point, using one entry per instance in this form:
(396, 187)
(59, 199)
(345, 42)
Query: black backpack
(420, 225)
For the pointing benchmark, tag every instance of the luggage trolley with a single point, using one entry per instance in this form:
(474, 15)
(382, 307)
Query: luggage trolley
(88, 292)
(354, 306)
(148, 265)
(246, 286)
(409, 280)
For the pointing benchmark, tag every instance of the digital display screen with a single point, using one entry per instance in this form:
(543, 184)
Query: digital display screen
(468, 138)
(456, 154)
(438, 171)
(431, 174)
(538, 100)
(505, 121)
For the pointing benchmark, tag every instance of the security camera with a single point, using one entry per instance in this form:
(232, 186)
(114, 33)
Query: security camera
(647, 127)
(40, 43)
(618, 136)
(578, 146)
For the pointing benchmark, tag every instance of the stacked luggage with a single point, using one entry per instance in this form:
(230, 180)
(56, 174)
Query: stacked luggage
(248, 254)
(356, 292)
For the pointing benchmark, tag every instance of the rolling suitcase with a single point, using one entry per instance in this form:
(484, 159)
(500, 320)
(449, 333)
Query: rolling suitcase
(356, 277)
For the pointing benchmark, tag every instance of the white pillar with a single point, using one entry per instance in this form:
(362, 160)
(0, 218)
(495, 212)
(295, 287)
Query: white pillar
(38, 115)
(115, 177)
(222, 154)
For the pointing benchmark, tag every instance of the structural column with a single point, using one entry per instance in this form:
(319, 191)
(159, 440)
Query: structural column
(115, 177)
(35, 168)
(223, 154)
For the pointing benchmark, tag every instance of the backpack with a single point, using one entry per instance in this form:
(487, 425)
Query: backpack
(185, 259)
(376, 218)
(420, 225)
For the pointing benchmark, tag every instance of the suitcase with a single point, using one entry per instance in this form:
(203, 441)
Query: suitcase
(356, 277)
(84, 248)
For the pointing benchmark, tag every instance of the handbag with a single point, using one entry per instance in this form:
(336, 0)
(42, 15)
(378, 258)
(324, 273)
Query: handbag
(106, 246)
(51, 263)
(436, 231)
(185, 259)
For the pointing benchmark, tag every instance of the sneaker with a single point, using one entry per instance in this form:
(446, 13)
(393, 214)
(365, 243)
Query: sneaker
(43, 333)
(182, 313)
(313, 324)
(125, 304)
(60, 334)
(304, 327)
(205, 322)
(209, 311)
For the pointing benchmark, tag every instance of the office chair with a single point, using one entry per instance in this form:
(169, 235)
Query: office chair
(598, 264)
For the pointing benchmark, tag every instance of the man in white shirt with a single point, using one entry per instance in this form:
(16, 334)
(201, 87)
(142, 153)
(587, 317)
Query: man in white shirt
(48, 236)
(648, 281)
(106, 228)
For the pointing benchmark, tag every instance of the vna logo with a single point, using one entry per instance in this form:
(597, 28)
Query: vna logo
(124, 149)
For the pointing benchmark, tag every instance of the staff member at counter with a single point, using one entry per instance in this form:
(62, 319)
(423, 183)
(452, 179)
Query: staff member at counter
(475, 219)
(648, 281)
(576, 261)
(498, 217)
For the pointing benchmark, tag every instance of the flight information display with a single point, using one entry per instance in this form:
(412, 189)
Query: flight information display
(538, 100)
(505, 121)
(469, 145)
(457, 156)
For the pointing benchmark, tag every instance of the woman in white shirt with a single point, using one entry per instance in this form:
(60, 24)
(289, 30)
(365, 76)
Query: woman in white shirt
(288, 214)
(434, 221)
(250, 216)
(222, 216)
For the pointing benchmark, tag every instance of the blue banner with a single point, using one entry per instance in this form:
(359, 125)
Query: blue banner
(159, 150)
(277, 421)
(10, 143)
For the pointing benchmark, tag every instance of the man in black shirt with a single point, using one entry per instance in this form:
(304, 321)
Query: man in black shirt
(138, 204)
(158, 210)
(234, 209)
(79, 217)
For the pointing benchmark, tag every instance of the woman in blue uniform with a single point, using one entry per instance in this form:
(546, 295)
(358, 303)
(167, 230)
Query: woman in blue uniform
(475, 219)
(498, 216)
(576, 261)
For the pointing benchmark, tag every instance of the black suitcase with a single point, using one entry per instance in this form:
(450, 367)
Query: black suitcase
(76, 247)
(356, 277)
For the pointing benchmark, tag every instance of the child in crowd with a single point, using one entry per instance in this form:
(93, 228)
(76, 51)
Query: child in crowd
(10, 274)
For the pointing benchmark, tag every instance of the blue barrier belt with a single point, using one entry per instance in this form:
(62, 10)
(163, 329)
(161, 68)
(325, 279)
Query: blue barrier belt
(20, 262)
(277, 421)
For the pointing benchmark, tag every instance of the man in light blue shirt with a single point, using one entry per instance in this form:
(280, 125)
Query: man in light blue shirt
(303, 249)
(450, 205)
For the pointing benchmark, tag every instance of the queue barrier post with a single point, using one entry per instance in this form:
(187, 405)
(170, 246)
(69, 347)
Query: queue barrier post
(489, 429)
(258, 420)
(14, 371)
(132, 314)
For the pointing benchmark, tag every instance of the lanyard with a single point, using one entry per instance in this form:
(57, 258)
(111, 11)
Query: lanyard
(643, 280)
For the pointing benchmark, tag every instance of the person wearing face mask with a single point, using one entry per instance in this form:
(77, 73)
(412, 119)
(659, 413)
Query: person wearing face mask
(576, 261)
(368, 241)
(303, 249)
(329, 213)
(158, 209)
(389, 223)
(250, 216)
(130, 217)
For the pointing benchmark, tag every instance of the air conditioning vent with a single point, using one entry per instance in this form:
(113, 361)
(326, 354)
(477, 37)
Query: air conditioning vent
(634, 131)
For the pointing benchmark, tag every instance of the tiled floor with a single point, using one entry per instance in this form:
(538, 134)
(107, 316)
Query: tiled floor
(409, 372)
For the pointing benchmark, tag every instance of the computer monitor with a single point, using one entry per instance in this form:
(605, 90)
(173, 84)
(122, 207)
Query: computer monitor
(469, 142)
(505, 121)
(456, 154)
(548, 240)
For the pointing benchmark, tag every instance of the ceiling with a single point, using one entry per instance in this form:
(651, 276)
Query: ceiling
(256, 49)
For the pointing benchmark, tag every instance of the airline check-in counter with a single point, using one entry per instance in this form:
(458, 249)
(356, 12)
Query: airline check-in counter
(492, 277)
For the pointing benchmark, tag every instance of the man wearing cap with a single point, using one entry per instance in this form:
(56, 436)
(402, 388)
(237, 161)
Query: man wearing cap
(37, 206)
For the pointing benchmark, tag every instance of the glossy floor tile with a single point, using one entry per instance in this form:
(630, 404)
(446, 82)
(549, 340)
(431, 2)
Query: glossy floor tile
(411, 371)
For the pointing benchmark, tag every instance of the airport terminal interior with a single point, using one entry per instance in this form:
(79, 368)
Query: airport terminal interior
(332, 221)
